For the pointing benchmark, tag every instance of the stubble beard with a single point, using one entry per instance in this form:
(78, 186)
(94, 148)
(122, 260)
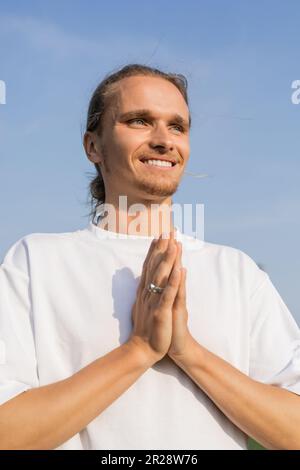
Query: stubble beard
(157, 187)
(150, 185)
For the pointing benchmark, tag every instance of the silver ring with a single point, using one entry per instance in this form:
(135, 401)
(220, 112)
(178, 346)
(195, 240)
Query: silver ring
(155, 289)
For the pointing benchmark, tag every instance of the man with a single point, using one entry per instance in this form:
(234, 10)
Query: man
(142, 341)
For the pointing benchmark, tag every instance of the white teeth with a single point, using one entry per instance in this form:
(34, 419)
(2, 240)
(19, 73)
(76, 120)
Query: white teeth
(157, 163)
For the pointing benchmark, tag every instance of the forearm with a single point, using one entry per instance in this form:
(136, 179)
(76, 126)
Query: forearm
(268, 414)
(46, 417)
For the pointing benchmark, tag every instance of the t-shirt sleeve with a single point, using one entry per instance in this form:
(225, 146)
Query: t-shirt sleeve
(274, 339)
(18, 364)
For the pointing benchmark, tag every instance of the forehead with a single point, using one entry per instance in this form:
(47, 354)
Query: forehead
(154, 93)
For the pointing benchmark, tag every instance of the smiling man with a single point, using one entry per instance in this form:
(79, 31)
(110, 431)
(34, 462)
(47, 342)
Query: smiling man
(148, 340)
(141, 146)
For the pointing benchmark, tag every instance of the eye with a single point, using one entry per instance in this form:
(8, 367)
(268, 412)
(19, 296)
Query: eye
(135, 120)
(178, 127)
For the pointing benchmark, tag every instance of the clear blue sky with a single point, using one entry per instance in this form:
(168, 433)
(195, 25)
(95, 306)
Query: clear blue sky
(240, 58)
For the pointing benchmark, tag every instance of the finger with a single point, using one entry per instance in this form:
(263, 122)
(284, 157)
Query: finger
(154, 243)
(178, 264)
(157, 248)
(155, 259)
(160, 249)
(161, 271)
(183, 292)
(169, 293)
(180, 299)
(179, 253)
(172, 234)
(167, 235)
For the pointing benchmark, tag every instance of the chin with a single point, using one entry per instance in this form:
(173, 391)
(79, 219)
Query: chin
(158, 188)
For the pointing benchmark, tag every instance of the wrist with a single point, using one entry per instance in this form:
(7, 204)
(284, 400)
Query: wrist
(142, 351)
(193, 354)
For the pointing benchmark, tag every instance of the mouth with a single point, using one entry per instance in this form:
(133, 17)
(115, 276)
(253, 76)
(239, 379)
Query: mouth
(162, 164)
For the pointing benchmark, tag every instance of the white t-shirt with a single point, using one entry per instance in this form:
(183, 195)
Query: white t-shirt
(66, 299)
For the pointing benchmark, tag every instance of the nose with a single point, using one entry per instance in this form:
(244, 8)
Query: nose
(161, 139)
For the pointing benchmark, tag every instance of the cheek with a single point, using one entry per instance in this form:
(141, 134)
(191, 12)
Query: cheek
(184, 149)
(129, 140)
(121, 149)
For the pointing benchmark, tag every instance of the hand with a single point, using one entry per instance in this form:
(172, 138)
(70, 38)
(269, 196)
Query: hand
(181, 336)
(152, 312)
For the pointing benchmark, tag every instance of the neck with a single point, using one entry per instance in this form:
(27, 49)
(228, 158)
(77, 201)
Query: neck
(144, 218)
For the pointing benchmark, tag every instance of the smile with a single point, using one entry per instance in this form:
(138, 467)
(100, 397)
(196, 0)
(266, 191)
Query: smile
(157, 164)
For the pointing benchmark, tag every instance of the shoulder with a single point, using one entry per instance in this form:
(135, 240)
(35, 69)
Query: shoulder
(229, 254)
(236, 263)
(38, 245)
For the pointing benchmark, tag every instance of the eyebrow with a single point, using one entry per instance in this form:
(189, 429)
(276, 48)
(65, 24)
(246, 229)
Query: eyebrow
(176, 118)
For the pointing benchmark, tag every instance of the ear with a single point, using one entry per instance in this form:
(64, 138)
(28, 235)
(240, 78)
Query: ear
(91, 147)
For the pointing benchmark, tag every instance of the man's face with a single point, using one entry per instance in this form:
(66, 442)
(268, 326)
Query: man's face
(129, 141)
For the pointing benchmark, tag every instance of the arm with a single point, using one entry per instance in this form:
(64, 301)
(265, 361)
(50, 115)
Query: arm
(267, 413)
(46, 417)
